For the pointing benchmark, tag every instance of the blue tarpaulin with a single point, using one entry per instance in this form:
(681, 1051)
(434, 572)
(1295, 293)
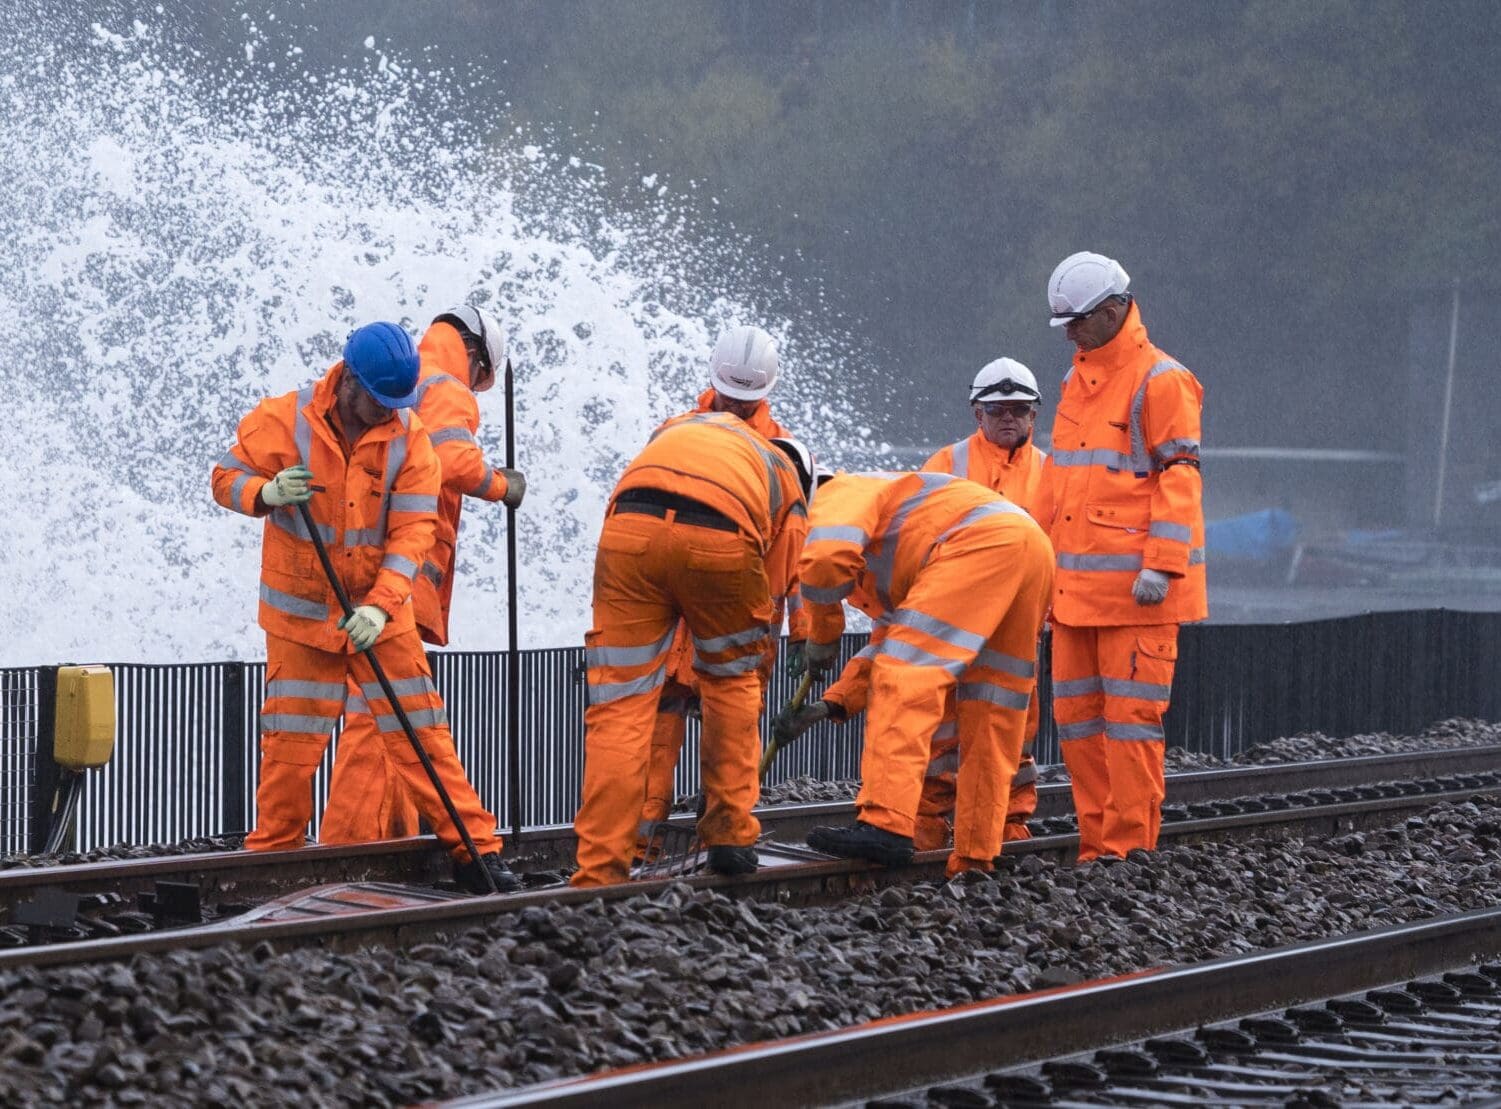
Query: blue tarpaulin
(1254, 536)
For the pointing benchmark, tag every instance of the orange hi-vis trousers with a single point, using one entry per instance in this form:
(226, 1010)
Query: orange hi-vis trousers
(1111, 687)
(306, 691)
(367, 796)
(650, 572)
(935, 812)
(967, 625)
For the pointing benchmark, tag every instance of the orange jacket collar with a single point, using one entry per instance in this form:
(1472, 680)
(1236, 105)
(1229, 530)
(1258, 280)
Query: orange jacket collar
(1129, 341)
(326, 398)
(443, 347)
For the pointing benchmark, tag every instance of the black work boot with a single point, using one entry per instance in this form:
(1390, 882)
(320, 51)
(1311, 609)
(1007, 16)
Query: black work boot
(733, 860)
(468, 875)
(863, 841)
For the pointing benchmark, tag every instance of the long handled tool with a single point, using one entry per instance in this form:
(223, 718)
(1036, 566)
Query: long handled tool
(385, 685)
(799, 696)
(513, 655)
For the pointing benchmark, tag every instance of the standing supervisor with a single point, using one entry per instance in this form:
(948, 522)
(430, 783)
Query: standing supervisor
(460, 355)
(704, 526)
(1123, 504)
(376, 510)
(960, 579)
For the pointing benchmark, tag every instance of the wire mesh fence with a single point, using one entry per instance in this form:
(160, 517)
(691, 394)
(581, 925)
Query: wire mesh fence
(186, 755)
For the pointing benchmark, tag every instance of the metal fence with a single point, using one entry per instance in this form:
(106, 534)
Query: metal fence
(185, 754)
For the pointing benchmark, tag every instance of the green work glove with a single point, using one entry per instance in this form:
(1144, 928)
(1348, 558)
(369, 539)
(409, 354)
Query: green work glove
(364, 625)
(515, 487)
(789, 725)
(294, 485)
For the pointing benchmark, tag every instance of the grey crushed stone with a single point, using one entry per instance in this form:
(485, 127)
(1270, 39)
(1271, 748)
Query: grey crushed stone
(548, 992)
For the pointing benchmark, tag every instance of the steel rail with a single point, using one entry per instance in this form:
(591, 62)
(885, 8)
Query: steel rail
(889, 1056)
(808, 883)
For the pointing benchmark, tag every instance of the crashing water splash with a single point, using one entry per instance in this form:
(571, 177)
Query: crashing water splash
(183, 238)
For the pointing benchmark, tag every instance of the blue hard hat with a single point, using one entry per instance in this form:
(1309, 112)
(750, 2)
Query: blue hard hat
(385, 362)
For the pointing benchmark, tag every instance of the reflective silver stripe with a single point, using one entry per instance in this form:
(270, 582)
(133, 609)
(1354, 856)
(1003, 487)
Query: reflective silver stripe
(996, 695)
(870, 650)
(946, 763)
(1111, 460)
(435, 379)
(959, 467)
(775, 461)
(794, 602)
(715, 644)
(1145, 691)
(1083, 729)
(290, 521)
(628, 656)
(365, 537)
(356, 703)
(1025, 775)
(949, 729)
(414, 502)
(1176, 448)
(741, 665)
(838, 534)
(1007, 664)
(293, 722)
(450, 434)
(821, 596)
(1099, 563)
(313, 691)
(482, 486)
(1132, 731)
(432, 572)
(302, 431)
(396, 456)
(1142, 463)
(1161, 529)
(237, 492)
(606, 692)
(230, 461)
(883, 566)
(907, 652)
(1078, 687)
(975, 515)
(406, 687)
(941, 630)
(1196, 556)
(422, 718)
(293, 606)
(401, 564)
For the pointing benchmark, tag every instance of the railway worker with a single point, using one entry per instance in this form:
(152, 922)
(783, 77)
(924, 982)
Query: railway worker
(958, 580)
(461, 354)
(1123, 505)
(742, 371)
(376, 509)
(704, 527)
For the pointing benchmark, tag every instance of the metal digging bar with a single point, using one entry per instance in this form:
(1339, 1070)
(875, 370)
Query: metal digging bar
(513, 653)
(401, 713)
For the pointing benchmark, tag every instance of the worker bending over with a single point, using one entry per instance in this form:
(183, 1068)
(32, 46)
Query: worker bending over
(958, 580)
(1123, 504)
(704, 526)
(375, 507)
(460, 356)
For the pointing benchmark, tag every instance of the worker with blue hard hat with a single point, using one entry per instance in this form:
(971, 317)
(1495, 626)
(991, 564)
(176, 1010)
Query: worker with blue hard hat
(375, 508)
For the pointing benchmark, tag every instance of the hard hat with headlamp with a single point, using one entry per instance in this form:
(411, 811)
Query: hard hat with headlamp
(1005, 379)
(1081, 283)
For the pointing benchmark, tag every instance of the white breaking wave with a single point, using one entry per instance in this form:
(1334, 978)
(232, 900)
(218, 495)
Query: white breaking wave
(181, 239)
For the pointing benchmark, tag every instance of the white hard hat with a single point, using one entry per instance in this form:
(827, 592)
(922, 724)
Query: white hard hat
(1002, 380)
(484, 327)
(802, 458)
(744, 363)
(1081, 282)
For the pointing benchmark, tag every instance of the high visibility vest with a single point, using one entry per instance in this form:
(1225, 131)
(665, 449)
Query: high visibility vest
(377, 513)
(1122, 489)
(1014, 474)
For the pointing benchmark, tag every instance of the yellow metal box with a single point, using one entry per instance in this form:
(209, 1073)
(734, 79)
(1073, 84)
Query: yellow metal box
(85, 731)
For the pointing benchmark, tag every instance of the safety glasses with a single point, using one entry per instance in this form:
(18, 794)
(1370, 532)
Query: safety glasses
(1019, 409)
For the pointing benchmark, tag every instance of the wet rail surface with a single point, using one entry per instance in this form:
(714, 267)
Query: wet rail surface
(361, 911)
(1405, 1015)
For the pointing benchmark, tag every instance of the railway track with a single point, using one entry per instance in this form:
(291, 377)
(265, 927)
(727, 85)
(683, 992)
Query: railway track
(1398, 1016)
(360, 908)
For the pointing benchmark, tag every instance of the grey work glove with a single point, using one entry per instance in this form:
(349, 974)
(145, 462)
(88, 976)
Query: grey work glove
(515, 487)
(364, 625)
(294, 485)
(787, 726)
(1150, 587)
(819, 657)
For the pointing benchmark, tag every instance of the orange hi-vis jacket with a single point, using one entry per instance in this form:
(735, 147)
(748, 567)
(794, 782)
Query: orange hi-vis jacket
(1014, 474)
(450, 412)
(760, 417)
(871, 533)
(718, 460)
(1121, 488)
(377, 514)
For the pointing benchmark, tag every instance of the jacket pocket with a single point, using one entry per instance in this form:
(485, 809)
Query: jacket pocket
(1130, 518)
(1153, 660)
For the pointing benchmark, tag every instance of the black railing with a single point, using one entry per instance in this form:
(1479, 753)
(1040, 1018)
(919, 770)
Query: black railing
(186, 755)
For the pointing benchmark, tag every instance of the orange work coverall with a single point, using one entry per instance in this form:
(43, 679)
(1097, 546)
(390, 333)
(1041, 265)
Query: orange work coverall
(1121, 491)
(681, 688)
(362, 771)
(960, 579)
(376, 514)
(704, 527)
